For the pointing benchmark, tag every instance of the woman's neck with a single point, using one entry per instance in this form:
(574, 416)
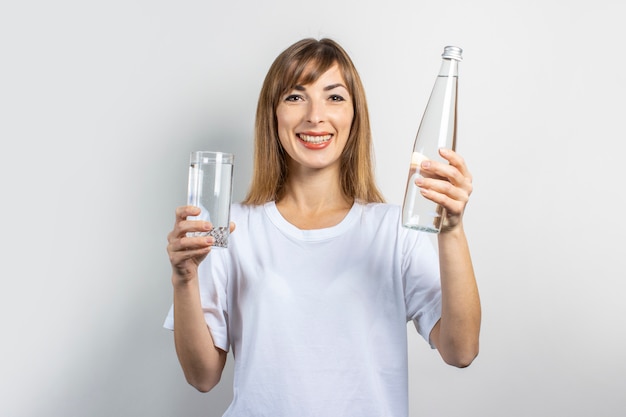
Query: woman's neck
(314, 200)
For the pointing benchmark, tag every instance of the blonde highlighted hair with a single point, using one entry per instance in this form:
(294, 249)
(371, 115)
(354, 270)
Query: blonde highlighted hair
(303, 63)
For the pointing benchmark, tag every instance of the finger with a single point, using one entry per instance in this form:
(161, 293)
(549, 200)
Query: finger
(190, 243)
(456, 161)
(453, 205)
(178, 258)
(189, 227)
(233, 226)
(186, 227)
(443, 187)
(448, 172)
(183, 212)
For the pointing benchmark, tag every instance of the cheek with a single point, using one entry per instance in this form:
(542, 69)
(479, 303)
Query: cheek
(347, 118)
(282, 127)
(280, 119)
(285, 120)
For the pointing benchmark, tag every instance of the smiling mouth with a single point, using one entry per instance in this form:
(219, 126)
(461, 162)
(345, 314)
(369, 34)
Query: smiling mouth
(314, 139)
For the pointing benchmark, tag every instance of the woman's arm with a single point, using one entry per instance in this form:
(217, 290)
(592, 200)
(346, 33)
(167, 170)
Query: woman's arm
(456, 334)
(202, 362)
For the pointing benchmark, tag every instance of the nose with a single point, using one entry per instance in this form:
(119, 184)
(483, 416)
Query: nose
(315, 112)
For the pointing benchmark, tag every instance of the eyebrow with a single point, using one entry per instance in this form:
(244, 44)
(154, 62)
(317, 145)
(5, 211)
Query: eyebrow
(327, 88)
(333, 86)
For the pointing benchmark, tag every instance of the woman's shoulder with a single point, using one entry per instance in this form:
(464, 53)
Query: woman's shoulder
(240, 210)
(380, 209)
(389, 216)
(243, 208)
(249, 212)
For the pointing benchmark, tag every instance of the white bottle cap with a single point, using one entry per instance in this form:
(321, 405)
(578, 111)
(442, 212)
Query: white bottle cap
(452, 52)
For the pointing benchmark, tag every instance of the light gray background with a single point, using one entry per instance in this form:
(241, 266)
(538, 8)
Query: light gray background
(101, 103)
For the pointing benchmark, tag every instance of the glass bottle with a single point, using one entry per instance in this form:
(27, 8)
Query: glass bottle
(437, 130)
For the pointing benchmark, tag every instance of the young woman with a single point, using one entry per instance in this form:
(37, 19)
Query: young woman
(319, 280)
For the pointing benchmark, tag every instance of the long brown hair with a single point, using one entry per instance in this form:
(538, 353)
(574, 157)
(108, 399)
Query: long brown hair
(303, 63)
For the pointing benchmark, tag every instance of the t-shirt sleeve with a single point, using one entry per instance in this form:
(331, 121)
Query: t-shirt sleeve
(212, 278)
(422, 284)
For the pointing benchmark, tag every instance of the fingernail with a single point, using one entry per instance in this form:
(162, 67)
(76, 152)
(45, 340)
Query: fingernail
(210, 240)
(419, 181)
(426, 164)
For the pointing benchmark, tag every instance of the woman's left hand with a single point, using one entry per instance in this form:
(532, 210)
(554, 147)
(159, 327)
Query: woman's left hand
(448, 185)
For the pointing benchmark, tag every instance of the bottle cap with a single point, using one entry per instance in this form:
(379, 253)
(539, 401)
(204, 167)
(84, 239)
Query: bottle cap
(452, 52)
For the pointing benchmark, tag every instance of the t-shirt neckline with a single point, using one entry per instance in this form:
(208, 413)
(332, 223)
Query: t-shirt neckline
(315, 234)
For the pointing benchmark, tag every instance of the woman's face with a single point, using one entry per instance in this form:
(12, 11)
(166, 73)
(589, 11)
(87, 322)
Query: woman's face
(314, 121)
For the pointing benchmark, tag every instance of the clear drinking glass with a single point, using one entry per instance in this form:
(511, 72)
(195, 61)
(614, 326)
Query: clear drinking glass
(210, 189)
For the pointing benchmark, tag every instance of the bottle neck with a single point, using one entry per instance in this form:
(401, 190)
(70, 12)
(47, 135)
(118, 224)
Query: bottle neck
(449, 68)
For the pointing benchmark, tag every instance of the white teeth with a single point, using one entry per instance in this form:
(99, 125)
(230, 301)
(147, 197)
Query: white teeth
(314, 139)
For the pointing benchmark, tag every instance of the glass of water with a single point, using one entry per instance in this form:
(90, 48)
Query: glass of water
(210, 189)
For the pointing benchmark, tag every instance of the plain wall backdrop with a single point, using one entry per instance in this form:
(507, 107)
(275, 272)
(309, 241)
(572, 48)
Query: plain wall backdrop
(101, 103)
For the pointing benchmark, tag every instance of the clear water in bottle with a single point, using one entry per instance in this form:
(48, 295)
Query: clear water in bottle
(437, 130)
(418, 212)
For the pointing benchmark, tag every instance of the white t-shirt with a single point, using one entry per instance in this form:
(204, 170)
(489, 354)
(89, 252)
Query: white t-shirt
(316, 319)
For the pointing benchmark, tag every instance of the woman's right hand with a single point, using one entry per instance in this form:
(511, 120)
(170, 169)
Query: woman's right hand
(201, 361)
(185, 252)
